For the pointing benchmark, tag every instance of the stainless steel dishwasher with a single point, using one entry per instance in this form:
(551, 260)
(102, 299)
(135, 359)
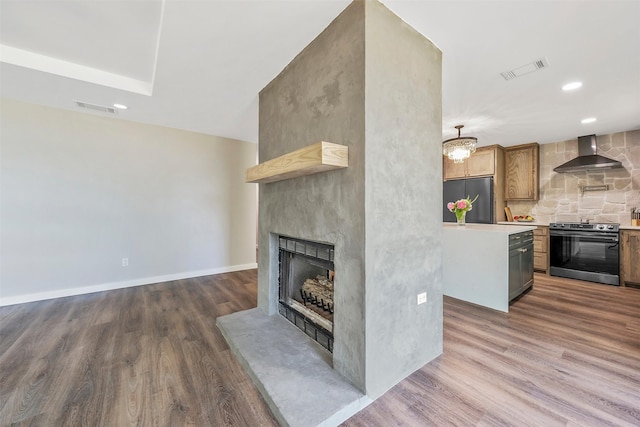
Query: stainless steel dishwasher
(520, 263)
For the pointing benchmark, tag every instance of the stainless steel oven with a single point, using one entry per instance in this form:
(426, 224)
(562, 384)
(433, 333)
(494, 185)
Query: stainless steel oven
(585, 251)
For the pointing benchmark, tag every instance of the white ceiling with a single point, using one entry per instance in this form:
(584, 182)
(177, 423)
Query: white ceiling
(199, 65)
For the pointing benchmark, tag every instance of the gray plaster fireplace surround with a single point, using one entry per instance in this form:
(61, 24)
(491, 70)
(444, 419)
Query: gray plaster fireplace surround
(370, 82)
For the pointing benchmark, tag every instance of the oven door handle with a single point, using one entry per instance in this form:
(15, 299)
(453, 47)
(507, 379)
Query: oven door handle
(609, 237)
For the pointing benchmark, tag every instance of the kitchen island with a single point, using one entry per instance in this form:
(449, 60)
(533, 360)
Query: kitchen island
(475, 263)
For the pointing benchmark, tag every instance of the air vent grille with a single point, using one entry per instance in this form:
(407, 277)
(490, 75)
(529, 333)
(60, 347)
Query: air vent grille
(536, 65)
(96, 107)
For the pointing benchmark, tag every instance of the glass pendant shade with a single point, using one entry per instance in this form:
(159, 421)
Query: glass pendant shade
(458, 149)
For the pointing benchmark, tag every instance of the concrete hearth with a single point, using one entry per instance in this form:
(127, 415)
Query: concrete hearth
(292, 372)
(372, 83)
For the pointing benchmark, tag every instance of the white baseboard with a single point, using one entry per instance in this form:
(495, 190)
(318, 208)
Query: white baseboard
(59, 293)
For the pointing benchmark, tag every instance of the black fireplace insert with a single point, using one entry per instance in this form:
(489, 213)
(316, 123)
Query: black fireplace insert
(306, 286)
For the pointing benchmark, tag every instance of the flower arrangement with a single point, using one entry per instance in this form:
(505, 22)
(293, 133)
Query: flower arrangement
(461, 207)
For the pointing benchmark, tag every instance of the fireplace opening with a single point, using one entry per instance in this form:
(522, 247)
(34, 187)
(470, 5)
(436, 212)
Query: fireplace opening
(306, 280)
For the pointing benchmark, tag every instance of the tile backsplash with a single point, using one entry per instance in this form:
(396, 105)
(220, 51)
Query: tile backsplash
(561, 197)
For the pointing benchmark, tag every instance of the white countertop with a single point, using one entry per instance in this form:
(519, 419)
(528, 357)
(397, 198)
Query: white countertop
(540, 224)
(537, 224)
(630, 227)
(494, 228)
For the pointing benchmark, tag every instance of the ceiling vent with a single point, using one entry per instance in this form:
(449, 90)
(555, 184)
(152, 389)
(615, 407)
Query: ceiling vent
(95, 107)
(536, 65)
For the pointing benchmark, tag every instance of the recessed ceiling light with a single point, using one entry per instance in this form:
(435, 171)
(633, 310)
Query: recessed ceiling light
(572, 86)
(589, 120)
(120, 106)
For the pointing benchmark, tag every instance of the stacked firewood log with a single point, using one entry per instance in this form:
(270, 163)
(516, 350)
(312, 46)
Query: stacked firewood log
(321, 288)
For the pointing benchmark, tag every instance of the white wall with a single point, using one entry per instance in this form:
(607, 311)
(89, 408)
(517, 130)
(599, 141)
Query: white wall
(79, 192)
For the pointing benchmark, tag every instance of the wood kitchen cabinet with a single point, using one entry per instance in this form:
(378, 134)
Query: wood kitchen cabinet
(522, 172)
(485, 162)
(630, 258)
(451, 170)
(541, 249)
(481, 163)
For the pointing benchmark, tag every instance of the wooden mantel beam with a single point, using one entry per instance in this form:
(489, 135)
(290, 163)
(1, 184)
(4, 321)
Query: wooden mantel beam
(319, 157)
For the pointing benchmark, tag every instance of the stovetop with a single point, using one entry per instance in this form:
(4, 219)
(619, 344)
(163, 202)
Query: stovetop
(582, 226)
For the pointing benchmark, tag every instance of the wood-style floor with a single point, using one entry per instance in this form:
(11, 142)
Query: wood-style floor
(567, 354)
(144, 356)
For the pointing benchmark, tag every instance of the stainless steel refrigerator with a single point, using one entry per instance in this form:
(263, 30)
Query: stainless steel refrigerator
(482, 211)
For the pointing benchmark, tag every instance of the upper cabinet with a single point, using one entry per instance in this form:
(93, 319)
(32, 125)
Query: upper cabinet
(481, 163)
(522, 172)
(485, 162)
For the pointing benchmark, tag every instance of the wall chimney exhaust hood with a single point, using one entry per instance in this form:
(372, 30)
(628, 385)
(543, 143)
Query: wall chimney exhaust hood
(588, 159)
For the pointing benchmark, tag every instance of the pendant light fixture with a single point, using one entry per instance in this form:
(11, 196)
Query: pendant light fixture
(458, 149)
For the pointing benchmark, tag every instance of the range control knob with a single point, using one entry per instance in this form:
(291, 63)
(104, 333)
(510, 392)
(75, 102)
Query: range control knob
(610, 227)
(600, 227)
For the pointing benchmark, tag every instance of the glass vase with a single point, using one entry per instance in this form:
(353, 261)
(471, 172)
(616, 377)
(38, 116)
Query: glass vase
(460, 216)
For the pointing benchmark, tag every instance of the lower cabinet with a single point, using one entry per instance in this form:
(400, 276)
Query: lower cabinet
(541, 249)
(520, 263)
(630, 257)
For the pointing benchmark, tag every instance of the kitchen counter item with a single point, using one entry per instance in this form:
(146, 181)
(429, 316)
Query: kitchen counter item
(635, 217)
(507, 211)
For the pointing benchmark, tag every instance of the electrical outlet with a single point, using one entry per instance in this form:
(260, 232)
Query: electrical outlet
(125, 262)
(422, 298)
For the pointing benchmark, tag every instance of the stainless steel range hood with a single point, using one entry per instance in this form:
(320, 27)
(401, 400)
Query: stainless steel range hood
(588, 159)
